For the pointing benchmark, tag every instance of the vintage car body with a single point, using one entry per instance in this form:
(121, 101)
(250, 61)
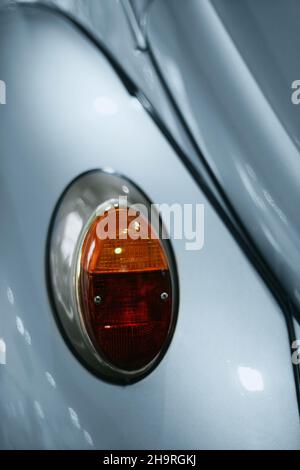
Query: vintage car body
(227, 380)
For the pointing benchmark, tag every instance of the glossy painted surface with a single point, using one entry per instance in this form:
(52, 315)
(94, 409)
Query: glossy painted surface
(226, 381)
(107, 22)
(230, 66)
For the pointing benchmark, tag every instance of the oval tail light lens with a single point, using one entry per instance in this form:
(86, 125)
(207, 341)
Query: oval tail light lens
(126, 292)
(113, 279)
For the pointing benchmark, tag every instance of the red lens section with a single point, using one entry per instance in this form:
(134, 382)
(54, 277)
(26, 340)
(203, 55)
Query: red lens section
(126, 292)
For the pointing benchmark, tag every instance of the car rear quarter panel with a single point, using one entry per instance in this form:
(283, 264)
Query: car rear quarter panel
(226, 380)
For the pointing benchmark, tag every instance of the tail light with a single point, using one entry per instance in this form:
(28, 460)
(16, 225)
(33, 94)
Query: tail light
(115, 293)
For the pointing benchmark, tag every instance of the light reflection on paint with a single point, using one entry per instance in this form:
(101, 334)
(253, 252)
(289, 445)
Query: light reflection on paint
(39, 409)
(74, 418)
(105, 106)
(10, 296)
(20, 326)
(88, 438)
(27, 337)
(50, 379)
(135, 103)
(251, 379)
(2, 352)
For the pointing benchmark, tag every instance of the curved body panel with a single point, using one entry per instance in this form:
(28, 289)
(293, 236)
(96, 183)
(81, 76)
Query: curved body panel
(231, 73)
(226, 380)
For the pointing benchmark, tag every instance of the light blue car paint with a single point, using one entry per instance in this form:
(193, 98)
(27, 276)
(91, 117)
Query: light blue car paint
(227, 379)
(230, 66)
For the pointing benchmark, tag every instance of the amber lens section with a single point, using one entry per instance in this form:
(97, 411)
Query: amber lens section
(125, 289)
